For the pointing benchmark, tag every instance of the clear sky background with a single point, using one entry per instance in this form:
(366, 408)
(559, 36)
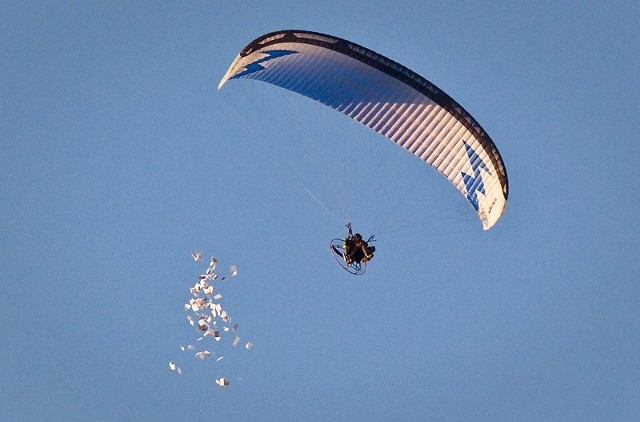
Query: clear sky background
(118, 157)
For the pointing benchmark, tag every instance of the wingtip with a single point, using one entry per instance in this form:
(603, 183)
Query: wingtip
(228, 73)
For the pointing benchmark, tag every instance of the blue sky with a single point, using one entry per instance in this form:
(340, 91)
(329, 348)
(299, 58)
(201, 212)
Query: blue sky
(119, 157)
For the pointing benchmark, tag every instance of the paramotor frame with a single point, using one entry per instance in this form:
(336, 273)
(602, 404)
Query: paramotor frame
(337, 251)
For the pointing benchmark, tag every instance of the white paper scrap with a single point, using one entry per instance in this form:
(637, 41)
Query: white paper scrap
(203, 354)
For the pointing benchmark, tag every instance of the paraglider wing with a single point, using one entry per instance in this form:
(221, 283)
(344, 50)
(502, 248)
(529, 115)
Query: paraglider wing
(388, 98)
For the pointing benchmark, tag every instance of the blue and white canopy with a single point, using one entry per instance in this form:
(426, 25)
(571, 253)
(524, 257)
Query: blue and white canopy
(388, 98)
